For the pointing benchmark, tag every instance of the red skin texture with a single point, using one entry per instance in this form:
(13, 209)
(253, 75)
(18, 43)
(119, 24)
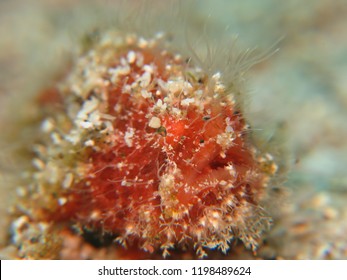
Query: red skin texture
(100, 202)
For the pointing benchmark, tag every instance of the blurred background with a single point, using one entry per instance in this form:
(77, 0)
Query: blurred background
(297, 96)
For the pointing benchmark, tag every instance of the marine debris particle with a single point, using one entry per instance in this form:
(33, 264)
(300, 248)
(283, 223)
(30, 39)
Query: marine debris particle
(151, 150)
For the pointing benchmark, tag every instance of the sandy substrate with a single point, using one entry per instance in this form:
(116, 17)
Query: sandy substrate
(297, 99)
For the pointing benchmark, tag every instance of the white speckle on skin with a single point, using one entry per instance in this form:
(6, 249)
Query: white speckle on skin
(89, 143)
(68, 181)
(86, 124)
(95, 215)
(88, 107)
(161, 106)
(178, 86)
(140, 60)
(177, 112)
(21, 221)
(128, 137)
(21, 191)
(117, 108)
(73, 137)
(146, 94)
(162, 84)
(143, 43)
(229, 129)
(187, 101)
(47, 125)
(148, 68)
(223, 183)
(145, 79)
(39, 164)
(56, 138)
(154, 122)
(131, 57)
(62, 201)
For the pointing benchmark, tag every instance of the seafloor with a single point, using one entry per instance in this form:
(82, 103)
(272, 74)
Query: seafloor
(297, 99)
